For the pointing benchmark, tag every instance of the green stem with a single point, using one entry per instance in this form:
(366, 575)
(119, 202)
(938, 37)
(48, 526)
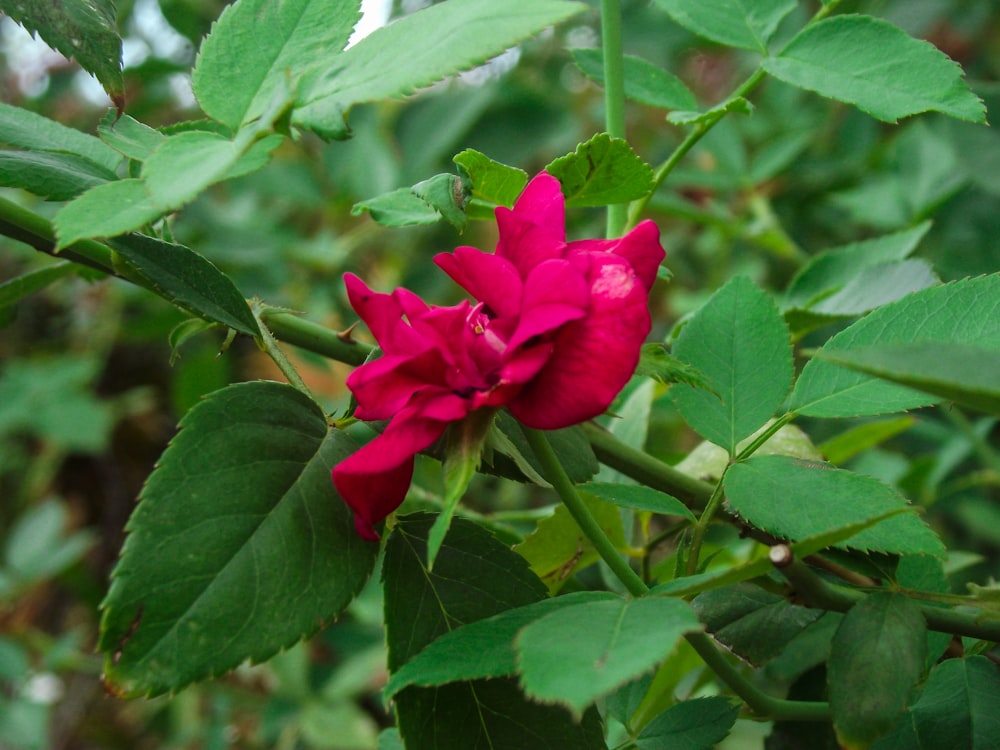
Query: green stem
(25, 226)
(694, 551)
(553, 470)
(295, 330)
(761, 704)
(820, 594)
(764, 436)
(700, 131)
(646, 469)
(717, 662)
(614, 94)
(270, 346)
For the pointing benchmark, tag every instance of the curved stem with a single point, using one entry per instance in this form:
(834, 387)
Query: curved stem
(553, 470)
(614, 93)
(761, 704)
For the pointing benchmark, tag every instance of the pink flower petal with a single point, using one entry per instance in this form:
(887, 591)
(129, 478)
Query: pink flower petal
(374, 480)
(382, 313)
(640, 247)
(594, 357)
(542, 203)
(384, 386)
(554, 294)
(525, 243)
(488, 278)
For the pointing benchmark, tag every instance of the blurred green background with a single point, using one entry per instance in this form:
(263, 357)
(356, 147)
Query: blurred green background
(91, 390)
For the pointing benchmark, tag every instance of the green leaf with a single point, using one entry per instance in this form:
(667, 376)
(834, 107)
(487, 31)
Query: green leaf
(962, 373)
(962, 312)
(188, 280)
(957, 709)
(399, 208)
(644, 82)
(877, 67)
(631, 408)
(637, 497)
(107, 210)
(53, 176)
(840, 449)
(876, 658)
(129, 137)
(747, 24)
(698, 724)
(492, 181)
(16, 289)
(475, 577)
(258, 47)
(416, 51)
(556, 549)
(875, 286)
(85, 30)
(446, 195)
(738, 104)
(239, 522)
(601, 172)
(570, 445)
(463, 449)
(481, 649)
(577, 654)
(185, 164)
(657, 363)
(739, 342)
(829, 271)
(753, 623)
(796, 499)
(27, 130)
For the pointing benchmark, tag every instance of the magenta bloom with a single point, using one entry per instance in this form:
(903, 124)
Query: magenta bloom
(554, 337)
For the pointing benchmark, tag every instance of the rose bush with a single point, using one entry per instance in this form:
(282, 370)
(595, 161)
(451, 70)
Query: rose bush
(554, 336)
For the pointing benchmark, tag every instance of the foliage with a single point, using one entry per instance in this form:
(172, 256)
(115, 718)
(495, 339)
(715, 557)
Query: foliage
(825, 188)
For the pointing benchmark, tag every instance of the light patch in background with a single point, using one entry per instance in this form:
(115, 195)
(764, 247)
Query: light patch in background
(374, 15)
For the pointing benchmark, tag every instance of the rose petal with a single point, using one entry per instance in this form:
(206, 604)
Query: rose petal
(593, 358)
(384, 386)
(488, 278)
(383, 314)
(526, 244)
(374, 480)
(640, 247)
(542, 203)
(554, 294)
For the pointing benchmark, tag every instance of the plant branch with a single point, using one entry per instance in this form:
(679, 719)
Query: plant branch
(820, 594)
(614, 94)
(646, 469)
(553, 470)
(295, 330)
